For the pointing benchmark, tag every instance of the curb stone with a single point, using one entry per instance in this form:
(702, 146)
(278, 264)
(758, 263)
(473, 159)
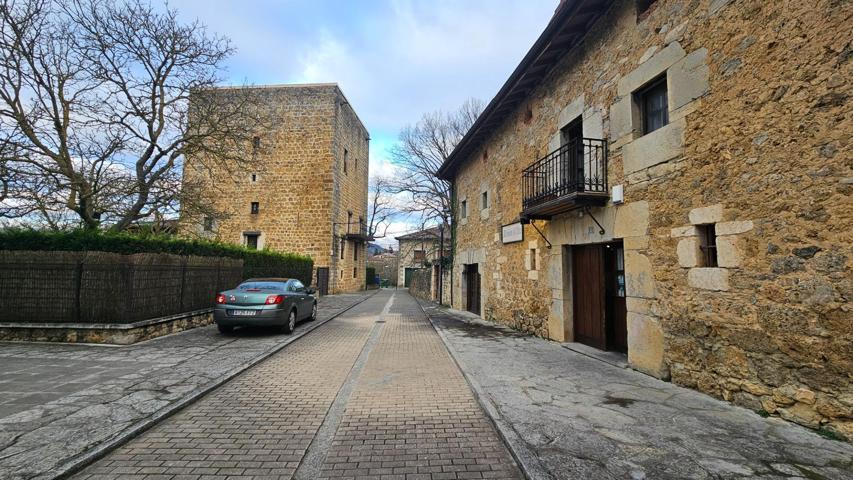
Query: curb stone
(527, 461)
(87, 458)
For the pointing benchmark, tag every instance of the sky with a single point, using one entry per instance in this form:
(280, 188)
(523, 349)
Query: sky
(394, 59)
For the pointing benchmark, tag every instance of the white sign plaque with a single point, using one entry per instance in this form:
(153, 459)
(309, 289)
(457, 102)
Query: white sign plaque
(514, 232)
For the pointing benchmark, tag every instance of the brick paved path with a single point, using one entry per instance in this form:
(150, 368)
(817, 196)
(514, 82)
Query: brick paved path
(372, 394)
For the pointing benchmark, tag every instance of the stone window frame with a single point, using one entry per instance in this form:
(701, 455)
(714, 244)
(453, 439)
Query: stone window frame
(708, 245)
(687, 80)
(727, 240)
(485, 202)
(533, 260)
(257, 235)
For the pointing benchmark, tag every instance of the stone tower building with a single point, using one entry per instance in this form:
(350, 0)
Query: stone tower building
(671, 179)
(307, 189)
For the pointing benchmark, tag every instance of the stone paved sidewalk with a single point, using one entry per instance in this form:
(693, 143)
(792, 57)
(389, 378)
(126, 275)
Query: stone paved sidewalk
(371, 395)
(568, 416)
(60, 403)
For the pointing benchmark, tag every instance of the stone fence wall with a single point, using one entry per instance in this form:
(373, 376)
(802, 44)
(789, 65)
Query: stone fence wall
(421, 284)
(100, 287)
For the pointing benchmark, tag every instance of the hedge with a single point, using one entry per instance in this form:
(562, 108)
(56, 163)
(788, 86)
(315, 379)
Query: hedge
(256, 263)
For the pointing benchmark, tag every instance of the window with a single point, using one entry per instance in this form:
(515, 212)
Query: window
(620, 272)
(349, 220)
(208, 224)
(654, 109)
(354, 272)
(533, 259)
(356, 164)
(355, 253)
(484, 201)
(346, 158)
(708, 245)
(343, 244)
(420, 255)
(251, 240)
(256, 207)
(256, 142)
(254, 177)
(464, 209)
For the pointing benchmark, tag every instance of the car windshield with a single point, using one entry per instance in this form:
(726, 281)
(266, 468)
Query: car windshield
(264, 286)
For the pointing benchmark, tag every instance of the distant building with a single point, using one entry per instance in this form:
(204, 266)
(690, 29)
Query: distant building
(308, 191)
(385, 265)
(422, 250)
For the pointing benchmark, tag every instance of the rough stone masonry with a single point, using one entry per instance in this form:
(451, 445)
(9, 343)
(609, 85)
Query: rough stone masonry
(757, 145)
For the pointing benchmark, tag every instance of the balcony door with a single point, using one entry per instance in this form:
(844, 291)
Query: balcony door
(572, 165)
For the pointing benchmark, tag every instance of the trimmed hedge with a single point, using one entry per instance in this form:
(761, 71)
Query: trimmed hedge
(256, 263)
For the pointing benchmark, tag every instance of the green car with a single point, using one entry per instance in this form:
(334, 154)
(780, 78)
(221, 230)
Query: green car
(276, 302)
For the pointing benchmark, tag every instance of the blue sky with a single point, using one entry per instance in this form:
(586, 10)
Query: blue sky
(394, 59)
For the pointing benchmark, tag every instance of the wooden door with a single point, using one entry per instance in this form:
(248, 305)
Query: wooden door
(588, 290)
(323, 280)
(472, 279)
(616, 314)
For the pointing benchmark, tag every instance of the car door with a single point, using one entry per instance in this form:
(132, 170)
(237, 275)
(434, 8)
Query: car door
(302, 299)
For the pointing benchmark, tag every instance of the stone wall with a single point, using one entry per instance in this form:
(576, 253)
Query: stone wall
(298, 180)
(421, 286)
(757, 144)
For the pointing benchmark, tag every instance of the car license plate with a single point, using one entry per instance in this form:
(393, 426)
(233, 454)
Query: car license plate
(243, 313)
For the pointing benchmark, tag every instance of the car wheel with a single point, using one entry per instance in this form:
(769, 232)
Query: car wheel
(291, 322)
(313, 313)
(225, 328)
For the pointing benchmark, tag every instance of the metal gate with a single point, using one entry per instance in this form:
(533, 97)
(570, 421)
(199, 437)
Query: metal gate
(323, 280)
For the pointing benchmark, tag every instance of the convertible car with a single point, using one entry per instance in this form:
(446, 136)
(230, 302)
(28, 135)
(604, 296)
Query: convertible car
(278, 302)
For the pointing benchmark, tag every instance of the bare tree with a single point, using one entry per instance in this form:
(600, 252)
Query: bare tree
(380, 207)
(95, 109)
(420, 151)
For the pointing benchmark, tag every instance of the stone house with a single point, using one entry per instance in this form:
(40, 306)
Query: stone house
(671, 179)
(385, 265)
(308, 192)
(422, 250)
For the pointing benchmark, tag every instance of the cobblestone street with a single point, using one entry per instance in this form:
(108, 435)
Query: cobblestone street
(373, 394)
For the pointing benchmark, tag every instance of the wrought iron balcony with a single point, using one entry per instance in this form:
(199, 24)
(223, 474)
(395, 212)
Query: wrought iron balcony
(357, 231)
(574, 175)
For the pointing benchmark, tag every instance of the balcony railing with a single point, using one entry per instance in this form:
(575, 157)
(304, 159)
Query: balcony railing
(573, 175)
(357, 231)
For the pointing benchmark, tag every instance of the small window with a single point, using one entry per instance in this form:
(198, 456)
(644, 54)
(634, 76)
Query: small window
(346, 159)
(256, 142)
(708, 245)
(420, 255)
(254, 177)
(533, 265)
(356, 164)
(343, 244)
(208, 224)
(256, 207)
(464, 209)
(653, 104)
(484, 201)
(355, 253)
(251, 240)
(349, 221)
(354, 272)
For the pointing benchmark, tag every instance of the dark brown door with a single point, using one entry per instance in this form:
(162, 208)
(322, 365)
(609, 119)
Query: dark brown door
(323, 280)
(588, 286)
(616, 313)
(472, 283)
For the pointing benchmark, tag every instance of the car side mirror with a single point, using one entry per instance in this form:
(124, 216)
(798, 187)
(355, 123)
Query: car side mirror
(311, 291)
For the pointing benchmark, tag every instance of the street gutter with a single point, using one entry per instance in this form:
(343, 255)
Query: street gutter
(85, 459)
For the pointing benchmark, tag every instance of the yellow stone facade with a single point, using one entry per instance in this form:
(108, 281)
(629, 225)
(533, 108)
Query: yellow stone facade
(757, 144)
(309, 179)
